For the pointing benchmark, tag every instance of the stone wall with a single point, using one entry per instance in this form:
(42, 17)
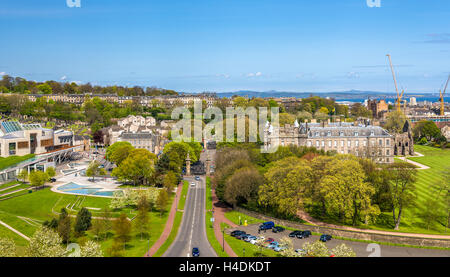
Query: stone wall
(352, 234)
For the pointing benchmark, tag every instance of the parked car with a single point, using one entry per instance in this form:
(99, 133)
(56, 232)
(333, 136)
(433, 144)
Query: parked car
(250, 238)
(244, 236)
(195, 252)
(277, 229)
(258, 239)
(300, 251)
(269, 241)
(197, 178)
(267, 225)
(239, 236)
(325, 238)
(52, 180)
(273, 244)
(294, 234)
(280, 248)
(306, 234)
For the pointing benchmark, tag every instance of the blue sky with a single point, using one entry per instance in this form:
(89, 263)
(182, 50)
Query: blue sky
(228, 45)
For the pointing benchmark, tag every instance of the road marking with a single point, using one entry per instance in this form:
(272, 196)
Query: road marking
(193, 221)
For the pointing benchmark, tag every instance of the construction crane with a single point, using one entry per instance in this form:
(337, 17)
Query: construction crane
(442, 93)
(399, 96)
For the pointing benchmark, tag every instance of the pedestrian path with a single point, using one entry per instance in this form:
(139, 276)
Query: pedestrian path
(219, 217)
(14, 230)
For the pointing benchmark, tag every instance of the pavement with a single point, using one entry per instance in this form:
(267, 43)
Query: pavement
(361, 249)
(192, 232)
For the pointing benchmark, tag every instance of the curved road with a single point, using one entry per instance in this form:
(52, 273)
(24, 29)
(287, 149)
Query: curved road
(192, 232)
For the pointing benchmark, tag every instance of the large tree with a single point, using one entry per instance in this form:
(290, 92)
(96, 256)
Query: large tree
(402, 189)
(346, 192)
(242, 187)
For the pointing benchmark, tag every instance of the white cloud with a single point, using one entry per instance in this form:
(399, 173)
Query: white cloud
(257, 74)
(2, 73)
(63, 78)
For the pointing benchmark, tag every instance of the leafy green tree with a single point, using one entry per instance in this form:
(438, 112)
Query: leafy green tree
(94, 170)
(395, 121)
(170, 181)
(38, 178)
(122, 229)
(346, 192)
(83, 221)
(138, 167)
(45, 88)
(120, 153)
(162, 201)
(51, 172)
(242, 187)
(23, 175)
(426, 129)
(64, 226)
(287, 182)
(142, 218)
(402, 189)
(111, 149)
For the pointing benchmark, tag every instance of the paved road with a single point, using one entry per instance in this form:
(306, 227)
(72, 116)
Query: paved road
(192, 232)
(361, 249)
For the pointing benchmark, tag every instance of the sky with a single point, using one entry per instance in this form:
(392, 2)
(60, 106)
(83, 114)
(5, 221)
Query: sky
(229, 45)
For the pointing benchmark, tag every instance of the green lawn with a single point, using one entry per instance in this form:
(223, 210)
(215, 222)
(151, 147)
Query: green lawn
(184, 192)
(438, 160)
(13, 160)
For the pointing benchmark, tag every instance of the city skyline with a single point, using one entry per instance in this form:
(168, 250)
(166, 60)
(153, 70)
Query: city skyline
(298, 46)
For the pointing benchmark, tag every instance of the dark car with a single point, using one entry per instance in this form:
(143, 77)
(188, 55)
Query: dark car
(197, 178)
(325, 238)
(294, 234)
(277, 229)
(237, 232)
(306, 234)
(195, 252)
(267, 225)
(241, 235)
(52, 180)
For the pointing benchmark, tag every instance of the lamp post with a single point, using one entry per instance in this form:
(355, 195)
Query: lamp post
(223, 240)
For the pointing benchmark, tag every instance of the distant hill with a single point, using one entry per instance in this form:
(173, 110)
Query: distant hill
(344, 95)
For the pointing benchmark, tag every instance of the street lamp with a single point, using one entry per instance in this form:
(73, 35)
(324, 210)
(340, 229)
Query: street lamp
(223, 240)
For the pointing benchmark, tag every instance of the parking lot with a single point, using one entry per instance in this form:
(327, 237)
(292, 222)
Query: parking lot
(361, 249)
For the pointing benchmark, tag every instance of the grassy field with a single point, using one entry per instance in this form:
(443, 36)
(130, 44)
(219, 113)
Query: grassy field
(438, 160)
(13, 160)
(26, 213)
(183, 195)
